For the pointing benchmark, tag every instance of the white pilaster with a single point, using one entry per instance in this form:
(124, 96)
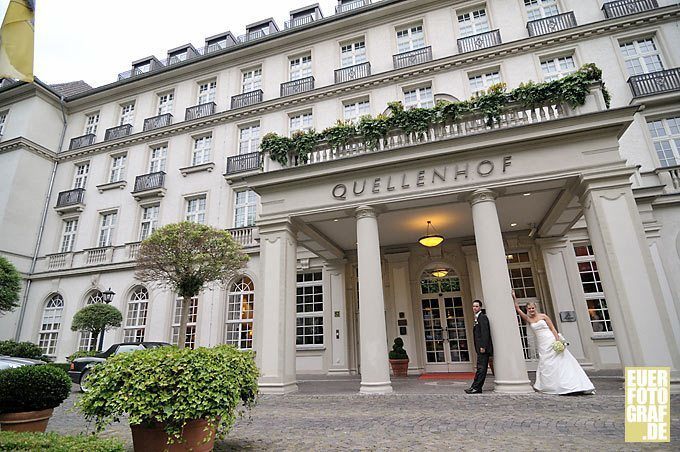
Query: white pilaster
(401, 288)
(509, 366)
(335, 272)
(375, 374)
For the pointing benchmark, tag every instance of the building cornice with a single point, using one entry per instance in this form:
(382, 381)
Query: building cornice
(25, 143)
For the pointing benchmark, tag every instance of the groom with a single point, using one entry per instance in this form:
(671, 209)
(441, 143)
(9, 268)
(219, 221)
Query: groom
(483, 347)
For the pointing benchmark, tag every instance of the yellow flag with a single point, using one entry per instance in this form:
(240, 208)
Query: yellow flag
(16, 40)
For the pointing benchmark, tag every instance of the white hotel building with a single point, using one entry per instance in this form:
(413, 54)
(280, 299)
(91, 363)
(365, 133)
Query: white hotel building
(576, 209)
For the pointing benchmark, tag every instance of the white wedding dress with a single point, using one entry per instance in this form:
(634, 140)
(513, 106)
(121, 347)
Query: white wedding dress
(557, 373)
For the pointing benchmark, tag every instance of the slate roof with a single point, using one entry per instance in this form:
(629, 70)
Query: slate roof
(70, 88)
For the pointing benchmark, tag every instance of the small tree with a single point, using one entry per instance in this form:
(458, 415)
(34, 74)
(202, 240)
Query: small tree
(186, 257)
(95, 319)
(10, 286)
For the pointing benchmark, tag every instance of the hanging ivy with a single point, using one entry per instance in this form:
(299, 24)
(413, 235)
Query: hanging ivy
(373, 130)
(339, 135)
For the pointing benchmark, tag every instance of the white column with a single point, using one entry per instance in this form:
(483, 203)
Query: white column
(401, 287)
(335, 272)
(509, 366)
(375, 373)
(275, 310)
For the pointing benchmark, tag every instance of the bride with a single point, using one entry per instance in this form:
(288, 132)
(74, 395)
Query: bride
(557, 372)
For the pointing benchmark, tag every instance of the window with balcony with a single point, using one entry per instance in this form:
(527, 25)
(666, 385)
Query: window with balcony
(165, 101)
(538, 9)
(240, 308)
(473, 23)
(352, 111)
(557, 67)
(245, 208)
(68, 238)
(135, 319)
(80, 176)
(201, 152)
(206, 92)
(196, 209)
(127, 113)
(301, 122)
(106, 228)
(251, 80)
(300, 67)
(309, 309)
(666, 138)
(480, 82)
(117, 168)
(249, 139)
(91, 123)
(421, 97)
(149, 221)
(50, 324)
(592, 289)
(410, 38)
(3, 120)
(353, 53)
(190, 338)
(641, 56)
(158, 158)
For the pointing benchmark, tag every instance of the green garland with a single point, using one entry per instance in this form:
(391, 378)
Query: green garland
(571, 89)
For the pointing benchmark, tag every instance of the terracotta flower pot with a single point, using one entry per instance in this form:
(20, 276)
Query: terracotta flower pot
(399, 367)
(27, 421)
(153, 438)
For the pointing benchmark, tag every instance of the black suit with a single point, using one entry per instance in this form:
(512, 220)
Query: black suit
(482, 336)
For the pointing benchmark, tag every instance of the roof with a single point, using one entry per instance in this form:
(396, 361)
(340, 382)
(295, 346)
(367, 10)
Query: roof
(70, 88)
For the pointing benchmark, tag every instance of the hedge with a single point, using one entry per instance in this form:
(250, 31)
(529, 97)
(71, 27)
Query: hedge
(57, 443)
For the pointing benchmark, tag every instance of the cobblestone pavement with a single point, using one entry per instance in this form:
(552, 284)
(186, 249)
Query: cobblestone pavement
(329, 414)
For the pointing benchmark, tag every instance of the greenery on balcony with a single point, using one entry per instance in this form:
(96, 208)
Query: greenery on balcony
(571, 89)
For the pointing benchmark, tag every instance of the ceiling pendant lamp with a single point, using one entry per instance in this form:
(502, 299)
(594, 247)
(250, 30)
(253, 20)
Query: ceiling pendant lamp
(430, 240)
(440, 272)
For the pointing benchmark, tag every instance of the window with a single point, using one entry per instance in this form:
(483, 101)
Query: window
(3, 120)
(127, 113)
(91, 123)
(557, 67)
(87, 341)
(149, 221)
(190, 338)
(641, 56)
(196, 210)
(353, 111)
(481, 82)
(245, 209)
(592, 289)
(249, 139)
(80, 177)
(473, 23)
(419, 98)
(108, 225)
(352, 53)
(522, 282)
(301, 122)
(537, 9)
(666, 138)
(201, 153)
(51, 322)
(68, 238)
(410, 38)
(135, 320)
(309, 308)
(159, 155)
(300, 67)
(206, 92)
(240, 305)
(165, 103)
(117, 168)
(252, 80)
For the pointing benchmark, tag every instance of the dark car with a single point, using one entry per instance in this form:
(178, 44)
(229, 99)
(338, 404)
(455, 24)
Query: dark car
(80, 367)
(12, 362)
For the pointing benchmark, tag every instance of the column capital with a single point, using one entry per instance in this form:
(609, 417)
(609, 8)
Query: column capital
(482, 195)
(365, 212)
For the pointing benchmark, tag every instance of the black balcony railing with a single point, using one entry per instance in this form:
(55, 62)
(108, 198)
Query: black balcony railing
(157, 121)
(627, 7)
(81, 142)
(348, 73)
(412, 58)
(70, 197)
(299, 21)
(151, 66)
(551, 24)
(118, 132)
(199, 111)
(480, 41)
(297, 86)
(245, 99)
(149, 181)
(655, 82)
(350, 6)
(244, 162)
(254, 35)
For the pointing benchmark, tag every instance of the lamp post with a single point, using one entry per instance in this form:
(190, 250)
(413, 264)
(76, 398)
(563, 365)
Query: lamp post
(107, 296)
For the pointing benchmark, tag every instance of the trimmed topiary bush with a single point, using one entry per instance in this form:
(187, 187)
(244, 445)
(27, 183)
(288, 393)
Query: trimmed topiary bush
(54, 442)
(33, 388)
(21, 350)
(398, 351)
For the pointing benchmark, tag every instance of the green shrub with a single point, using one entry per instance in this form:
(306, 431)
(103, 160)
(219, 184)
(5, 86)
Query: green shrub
(81, 354)
(63, 366)
(172, 386)
(25, 442)
(398, 351)
(33, 388)
(21, 350)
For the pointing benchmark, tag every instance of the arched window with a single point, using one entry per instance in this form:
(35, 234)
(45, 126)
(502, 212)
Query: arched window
(87, 342)
(135, 320)
(51, 322)
(239, 324)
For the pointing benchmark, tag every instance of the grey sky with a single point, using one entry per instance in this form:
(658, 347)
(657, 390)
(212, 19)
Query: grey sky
(94, 40)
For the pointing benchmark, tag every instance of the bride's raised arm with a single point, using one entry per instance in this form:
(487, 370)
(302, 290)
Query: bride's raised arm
(517, 308)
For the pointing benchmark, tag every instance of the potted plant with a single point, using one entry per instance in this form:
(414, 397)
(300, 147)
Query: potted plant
(398, 358)
(28, 395)
(175, 399)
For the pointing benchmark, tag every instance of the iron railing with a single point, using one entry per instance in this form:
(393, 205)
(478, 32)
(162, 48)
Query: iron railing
(70, 197)
(118, 132)
(655, 82)
(299, 21)
(149, 181)
(627, 7)
(200, 110)
(480, 41)
(188, 55)
(134, 72)
(245, 99)
(412, 57)
(244, 162)
(254, 35)
(297, 86)
(157, 121)
(348, 73)
(82, 141)
(551, 24)
(350, 6)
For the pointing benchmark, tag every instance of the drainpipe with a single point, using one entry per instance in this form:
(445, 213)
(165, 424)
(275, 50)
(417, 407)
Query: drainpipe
(22, 311)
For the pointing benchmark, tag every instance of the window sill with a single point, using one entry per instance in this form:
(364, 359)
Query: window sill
(311, 348)
(602, 336)
(111, 185)
(197, 168)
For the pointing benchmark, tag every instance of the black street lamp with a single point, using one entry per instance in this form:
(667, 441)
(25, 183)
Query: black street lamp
(108, 298)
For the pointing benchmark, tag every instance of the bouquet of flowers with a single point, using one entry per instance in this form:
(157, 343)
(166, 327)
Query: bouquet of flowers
(560, 345)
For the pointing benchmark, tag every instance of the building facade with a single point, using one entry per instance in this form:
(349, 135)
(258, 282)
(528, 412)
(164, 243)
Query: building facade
(576, 209)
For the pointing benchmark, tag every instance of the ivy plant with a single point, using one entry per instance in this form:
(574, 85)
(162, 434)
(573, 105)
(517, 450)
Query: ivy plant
(339, 135)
